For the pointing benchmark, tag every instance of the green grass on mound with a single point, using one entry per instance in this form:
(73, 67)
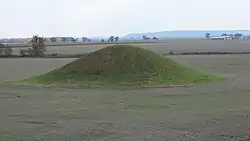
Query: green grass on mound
(122, 65)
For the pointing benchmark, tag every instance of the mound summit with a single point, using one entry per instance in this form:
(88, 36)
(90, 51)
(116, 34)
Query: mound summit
(122, 65)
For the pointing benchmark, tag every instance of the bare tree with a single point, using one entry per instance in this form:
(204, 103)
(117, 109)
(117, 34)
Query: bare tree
(72, 39)
(145, 37)
(84, 39)
(116, 38)
(64, 39)
(155, 38)
(53, 39)
(238, 35)
(38, 46)
(111, 39)
(224, 34)
(208, 35)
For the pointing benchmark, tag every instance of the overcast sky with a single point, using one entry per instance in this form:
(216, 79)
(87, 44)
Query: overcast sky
(23, 18)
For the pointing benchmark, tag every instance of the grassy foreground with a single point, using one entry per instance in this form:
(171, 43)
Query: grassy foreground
(122, 65)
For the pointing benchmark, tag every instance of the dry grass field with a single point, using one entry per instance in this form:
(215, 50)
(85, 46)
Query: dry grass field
(218, 112)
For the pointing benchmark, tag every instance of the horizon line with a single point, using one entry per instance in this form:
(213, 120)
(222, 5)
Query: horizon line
(100, 36)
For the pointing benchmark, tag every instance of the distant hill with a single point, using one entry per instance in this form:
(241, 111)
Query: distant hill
(184, 34)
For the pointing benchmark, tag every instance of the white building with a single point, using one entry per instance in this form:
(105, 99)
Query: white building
(222, 38)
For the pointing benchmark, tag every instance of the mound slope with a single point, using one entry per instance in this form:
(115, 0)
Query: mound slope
(122, 65)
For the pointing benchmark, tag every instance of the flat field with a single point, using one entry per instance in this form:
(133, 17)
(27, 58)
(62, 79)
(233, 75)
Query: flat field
(218, 112)
(178, 46)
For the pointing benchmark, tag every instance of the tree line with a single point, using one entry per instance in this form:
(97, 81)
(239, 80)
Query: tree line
(82, 39)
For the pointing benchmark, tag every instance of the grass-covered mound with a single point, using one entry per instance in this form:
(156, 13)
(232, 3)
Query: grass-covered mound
(122, 65)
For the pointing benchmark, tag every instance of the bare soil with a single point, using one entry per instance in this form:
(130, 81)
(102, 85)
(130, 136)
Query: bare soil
(218, 112)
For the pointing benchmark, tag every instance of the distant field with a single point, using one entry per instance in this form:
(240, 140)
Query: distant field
(178, 46)
(17, 45)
